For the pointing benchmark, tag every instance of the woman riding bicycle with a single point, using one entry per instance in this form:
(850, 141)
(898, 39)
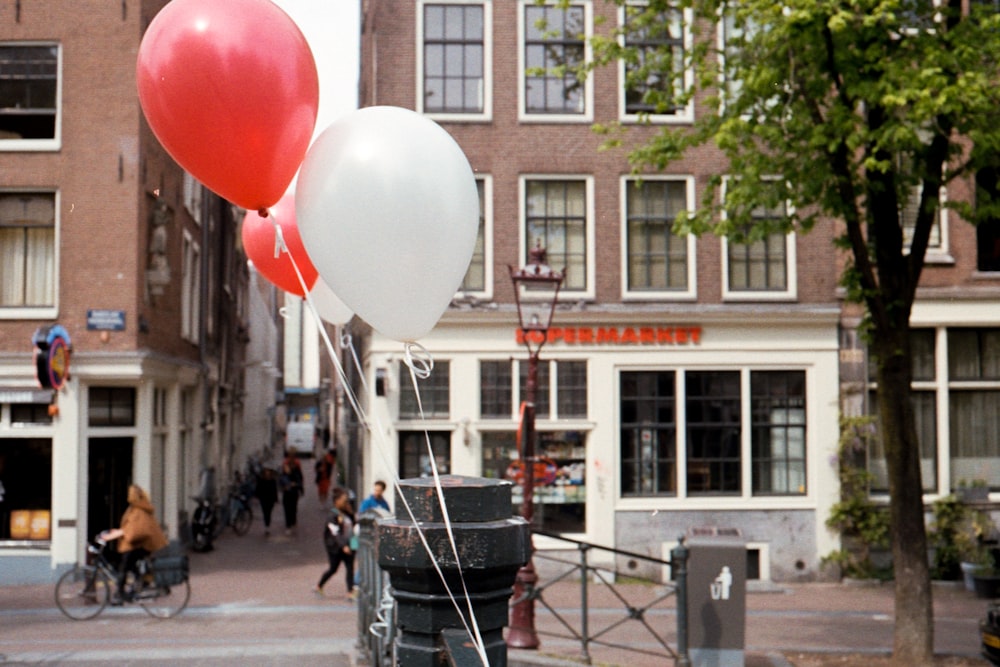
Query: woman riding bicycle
(140, 534)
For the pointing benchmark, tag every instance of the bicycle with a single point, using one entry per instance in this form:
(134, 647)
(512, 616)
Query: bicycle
(235, 511)
(161, 586)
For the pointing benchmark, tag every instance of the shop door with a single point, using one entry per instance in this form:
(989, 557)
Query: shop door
(109, 472)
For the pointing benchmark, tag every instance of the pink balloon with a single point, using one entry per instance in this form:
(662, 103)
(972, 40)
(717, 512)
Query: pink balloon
(230, 89)
(258, 236)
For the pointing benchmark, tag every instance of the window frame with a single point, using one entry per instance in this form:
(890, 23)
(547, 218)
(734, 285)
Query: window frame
(45, 311)
(486, 114)
(682, 446)
(190, 319)
(435, 394)
(566, 293)
(684, 114)
(523, 115)
(55, 142)
(790, 293)
(690, 292)
(486, 232)
(548, 382)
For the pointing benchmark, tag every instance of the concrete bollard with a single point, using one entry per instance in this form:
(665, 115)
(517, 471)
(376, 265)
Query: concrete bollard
(492, 545)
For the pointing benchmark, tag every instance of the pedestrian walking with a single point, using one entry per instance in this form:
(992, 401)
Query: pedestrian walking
(290, 482)
(376, 500)
(267, 495)
(326, 468)
(338, 533)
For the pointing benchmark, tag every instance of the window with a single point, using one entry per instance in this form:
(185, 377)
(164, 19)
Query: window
(974, 402)
(713, 410)
(193, 196)
(30, 413)
(554, 40)
(764, 267)
(908, 218)
(657, 261)
(648, 433)
(660, 47)
(435, 393)
(966, 399)
(414, 459)
(778, 431)
(111, 406)
(988, 230)
(190, 289)
(29, 96)
(568, 393)
(27, 249)
(454, 58)
(572, 382)
(475, 277)
(556, 217)
(560, 496)
(25, 486)
(712, 444)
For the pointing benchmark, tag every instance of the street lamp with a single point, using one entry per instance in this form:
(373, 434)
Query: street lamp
(536, 289)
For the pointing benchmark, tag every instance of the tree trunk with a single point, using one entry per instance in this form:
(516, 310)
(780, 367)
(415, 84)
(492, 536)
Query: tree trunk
(913, 638)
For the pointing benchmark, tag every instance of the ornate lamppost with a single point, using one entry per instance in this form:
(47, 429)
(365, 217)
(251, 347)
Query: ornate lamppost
(536, 289)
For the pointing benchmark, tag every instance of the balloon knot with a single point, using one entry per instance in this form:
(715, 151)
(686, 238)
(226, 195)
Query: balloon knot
(262, 212)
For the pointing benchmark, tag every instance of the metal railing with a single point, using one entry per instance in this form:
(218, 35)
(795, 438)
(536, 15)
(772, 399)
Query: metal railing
(627, 607)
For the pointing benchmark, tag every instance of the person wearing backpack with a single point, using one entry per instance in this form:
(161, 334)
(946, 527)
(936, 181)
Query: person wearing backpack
(337, 533)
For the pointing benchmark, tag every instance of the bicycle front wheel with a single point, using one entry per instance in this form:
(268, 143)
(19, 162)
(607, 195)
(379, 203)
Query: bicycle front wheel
(242, 521)
(165, 601)
(83, 592)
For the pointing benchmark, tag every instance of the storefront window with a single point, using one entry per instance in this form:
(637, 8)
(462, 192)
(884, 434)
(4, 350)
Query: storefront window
(778, 408)
(496, 395)
(25, 488)
(713, 443)
(560, 476)
(713, 431)
(648, 434)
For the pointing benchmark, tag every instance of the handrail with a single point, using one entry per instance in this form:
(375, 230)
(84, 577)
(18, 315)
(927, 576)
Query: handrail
(376, 630)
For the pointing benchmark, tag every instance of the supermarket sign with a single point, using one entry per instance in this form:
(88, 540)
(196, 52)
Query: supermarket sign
(615, 335)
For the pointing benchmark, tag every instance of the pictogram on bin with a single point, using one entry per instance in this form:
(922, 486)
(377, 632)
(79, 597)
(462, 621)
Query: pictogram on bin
(717, 585)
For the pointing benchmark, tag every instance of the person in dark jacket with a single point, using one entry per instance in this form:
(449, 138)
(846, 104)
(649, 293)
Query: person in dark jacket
(267, 494)
(337, 533)
(290, 482)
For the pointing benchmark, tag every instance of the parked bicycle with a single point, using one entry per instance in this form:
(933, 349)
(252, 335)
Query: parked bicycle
(161, 586)
(235, 511)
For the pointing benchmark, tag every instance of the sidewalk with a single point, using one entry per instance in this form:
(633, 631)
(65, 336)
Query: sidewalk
(258, 591)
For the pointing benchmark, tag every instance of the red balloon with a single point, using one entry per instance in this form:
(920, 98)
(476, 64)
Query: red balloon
(258, 241)
(230, 89)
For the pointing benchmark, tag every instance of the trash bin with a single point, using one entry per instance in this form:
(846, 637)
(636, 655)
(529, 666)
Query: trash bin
(717, 587)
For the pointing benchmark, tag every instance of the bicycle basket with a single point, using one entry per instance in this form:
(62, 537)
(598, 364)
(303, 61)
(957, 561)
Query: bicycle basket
(170, 570)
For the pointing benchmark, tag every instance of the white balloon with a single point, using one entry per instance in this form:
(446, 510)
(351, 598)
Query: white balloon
(330, 308)
(388, 211)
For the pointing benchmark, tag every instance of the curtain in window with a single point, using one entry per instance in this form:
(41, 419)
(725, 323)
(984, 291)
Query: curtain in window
(40, 266)
(11, 263)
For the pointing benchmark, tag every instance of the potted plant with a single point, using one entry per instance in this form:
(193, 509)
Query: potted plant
(976, 491)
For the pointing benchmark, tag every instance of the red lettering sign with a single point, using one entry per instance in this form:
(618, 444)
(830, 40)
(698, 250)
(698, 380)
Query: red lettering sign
(615, 335)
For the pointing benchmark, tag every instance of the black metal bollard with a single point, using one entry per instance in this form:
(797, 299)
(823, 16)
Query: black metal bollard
(492, 545)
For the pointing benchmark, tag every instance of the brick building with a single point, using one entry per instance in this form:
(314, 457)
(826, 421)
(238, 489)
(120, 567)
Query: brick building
(104, 236)
(690, 382)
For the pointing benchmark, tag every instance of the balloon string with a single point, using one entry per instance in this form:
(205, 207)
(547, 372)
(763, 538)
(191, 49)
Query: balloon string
(425, 363)
(420, 362)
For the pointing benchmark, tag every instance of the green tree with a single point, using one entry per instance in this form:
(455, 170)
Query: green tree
(856, 113)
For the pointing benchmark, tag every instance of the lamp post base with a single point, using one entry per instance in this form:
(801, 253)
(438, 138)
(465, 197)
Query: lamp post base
(522, 615)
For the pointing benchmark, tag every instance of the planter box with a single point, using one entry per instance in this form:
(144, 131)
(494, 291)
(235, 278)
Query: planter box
(969, 571)
(986, 586)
